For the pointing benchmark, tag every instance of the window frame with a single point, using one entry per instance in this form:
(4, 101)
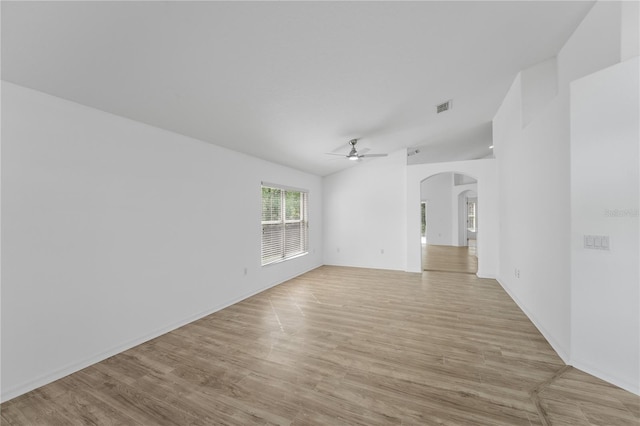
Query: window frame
(472, 220)
(284, 242)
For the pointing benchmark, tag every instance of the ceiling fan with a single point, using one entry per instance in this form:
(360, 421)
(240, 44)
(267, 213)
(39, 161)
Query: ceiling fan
(353, 154)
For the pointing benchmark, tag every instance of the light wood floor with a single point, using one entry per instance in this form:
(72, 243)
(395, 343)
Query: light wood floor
(449, 259)
(340, 346)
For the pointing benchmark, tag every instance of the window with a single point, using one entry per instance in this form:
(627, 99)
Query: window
(471, 216)
(284, 223)
(423, 216)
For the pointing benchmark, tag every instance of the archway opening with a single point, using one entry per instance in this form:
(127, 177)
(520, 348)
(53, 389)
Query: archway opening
(450, 225)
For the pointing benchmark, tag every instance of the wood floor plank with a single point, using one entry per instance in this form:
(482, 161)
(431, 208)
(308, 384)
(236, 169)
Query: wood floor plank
(449, 259)
(340, 346)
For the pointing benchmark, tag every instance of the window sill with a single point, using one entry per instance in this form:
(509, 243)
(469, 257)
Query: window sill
(285, 259)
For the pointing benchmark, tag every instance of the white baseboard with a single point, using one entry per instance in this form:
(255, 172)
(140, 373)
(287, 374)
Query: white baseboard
(482, 274)
(23, 388)
(621, 382)
(560, 350)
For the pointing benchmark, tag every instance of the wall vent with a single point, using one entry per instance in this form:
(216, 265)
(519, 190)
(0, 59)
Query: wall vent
(445, 106)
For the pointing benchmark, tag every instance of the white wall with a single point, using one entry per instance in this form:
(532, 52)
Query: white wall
(542, 77)
(462, 180)
(437, 192)
(114, 232)
(375, 206)
(630, 30)
(533, 170)
(484, 171)
(605, 292)
(364, 214)
(535, 184)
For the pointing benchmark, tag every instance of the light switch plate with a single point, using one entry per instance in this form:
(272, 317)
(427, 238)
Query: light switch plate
(588, 241)
(597, 242)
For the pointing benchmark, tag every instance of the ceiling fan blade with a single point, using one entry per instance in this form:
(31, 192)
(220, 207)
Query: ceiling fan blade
(354, 155)
(372, 155)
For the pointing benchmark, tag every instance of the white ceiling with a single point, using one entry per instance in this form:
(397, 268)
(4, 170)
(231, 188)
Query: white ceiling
(289, 81)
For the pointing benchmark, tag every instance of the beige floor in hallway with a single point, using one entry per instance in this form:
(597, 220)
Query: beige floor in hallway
(449, 258)
(341, 346)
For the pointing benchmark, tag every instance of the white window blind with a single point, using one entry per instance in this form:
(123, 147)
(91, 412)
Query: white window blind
(284, 223)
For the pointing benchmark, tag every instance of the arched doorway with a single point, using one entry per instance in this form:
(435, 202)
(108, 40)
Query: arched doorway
(449, 216)
(485, 172)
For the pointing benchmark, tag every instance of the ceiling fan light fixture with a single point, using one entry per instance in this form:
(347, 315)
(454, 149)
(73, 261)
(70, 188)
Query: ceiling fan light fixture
(353, 154)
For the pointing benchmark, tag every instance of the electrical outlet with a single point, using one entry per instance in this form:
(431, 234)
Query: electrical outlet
(516, 272)
(381, 251)
(245, 271)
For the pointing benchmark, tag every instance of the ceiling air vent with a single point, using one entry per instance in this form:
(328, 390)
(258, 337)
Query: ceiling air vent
(445, 106)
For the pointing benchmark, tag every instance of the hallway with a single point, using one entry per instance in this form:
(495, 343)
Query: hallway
(450, 258)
